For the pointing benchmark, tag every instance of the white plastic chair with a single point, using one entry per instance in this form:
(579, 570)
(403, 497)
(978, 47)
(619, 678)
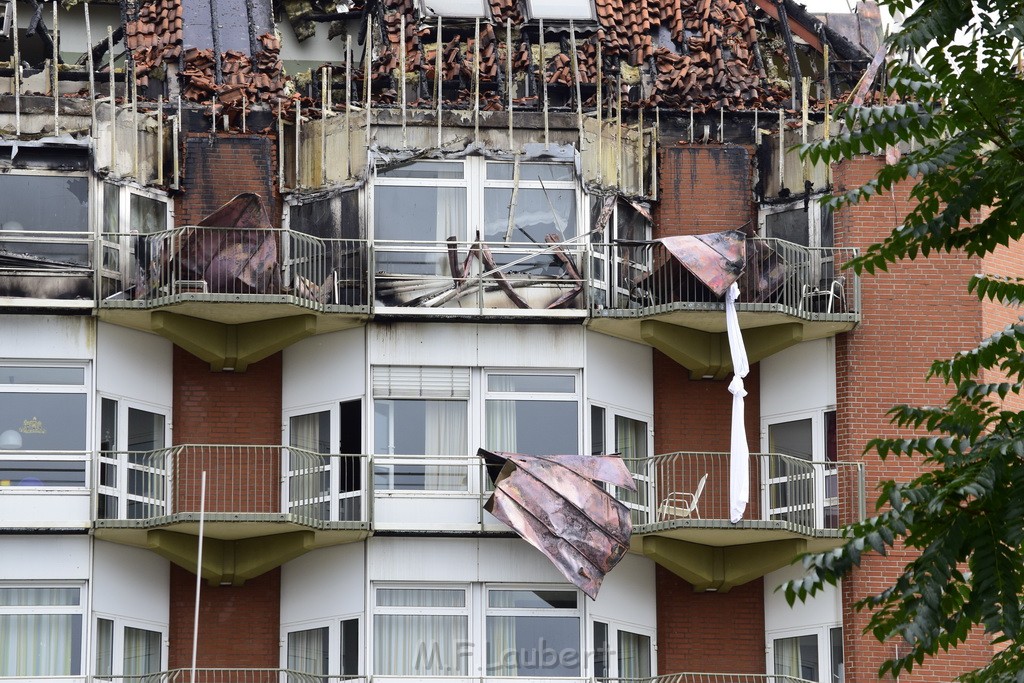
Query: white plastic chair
(681, 504)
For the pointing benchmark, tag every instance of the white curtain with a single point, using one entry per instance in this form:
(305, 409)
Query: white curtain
(141, 651)
(421, 644)
(502, 653)
(451, 222)
(739, 452)
(634, 655)
(40, 644)
(501, 416)
(307, 651)
(446, 427)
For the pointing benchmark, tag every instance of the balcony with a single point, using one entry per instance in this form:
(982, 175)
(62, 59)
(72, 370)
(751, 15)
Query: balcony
(681, 513)
(264, 505)
(788, 294)
(479, 279)
(46, 270)
(44, 490)
(233, 296)
(291, 676)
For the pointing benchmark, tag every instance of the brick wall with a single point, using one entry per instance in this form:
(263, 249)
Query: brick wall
(918, 312)
(704, 188)
(239, 626)
(217, 171)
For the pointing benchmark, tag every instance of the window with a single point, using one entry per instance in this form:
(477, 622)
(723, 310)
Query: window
(534, 633)
(325, 469)
(331, 650)
(420, 632)
(812, 228)
(454, 8)
(126, 214)
(561, 10)
(136, 652)
(802, 474)
(431, 216)
(43, 426)
(813, 656)
(41, 631)
(133, 460)
(420, 412)
(621, 259)
(534, 414)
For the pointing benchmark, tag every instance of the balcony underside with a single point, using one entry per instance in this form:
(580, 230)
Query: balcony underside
(715, 555)
(231, 335)
(237, 547)
(695, 336)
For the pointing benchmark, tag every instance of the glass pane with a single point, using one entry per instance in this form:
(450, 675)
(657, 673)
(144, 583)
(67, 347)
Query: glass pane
(36, 202)
(104, 647)
(792, 438)
(350, 440)
(539, 213)
(426, 169)
(600, 650)
(141, 651)
(532, 383)
(420, 644)
(145, 430)
(308, 651)
(350, 647)
(38, 597)
(331, 218)
(422, 214)
(797, 657)
(311, 432)
(526, 599)
(42, 473)
(504, 170)
(43, 422)
(420, 427)
(148, 215)
(111, 208)
(532, 427)
(43, 644)
(836, 638)
(533, 646)
(421, 597)
(15, 374)
(788, 225)
(108, 425)
(597, 430)
(827, 227)
(634, 655)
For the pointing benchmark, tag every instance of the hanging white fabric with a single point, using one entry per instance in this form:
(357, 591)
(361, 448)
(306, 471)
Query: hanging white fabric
(739, 452)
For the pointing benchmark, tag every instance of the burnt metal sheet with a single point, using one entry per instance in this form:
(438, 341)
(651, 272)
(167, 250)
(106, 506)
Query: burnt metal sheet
(716, 259)
(240, 256)
(558, 505)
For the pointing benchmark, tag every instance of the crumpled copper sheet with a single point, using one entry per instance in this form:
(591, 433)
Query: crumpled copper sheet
(239, 257)
(716, 259)
(556, 503)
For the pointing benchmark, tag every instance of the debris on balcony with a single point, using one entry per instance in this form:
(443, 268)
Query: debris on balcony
(716, 259)
(558, 504)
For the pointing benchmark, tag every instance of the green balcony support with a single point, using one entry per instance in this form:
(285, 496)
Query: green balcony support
(706, 354)
(230, 561)
(717, 568)
(232, 346)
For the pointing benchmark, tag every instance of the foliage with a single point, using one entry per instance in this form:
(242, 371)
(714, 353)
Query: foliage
(958, 99)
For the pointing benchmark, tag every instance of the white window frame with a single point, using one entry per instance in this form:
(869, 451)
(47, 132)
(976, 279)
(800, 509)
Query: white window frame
(644, 478)
(575, 396)
(467, 610)
(333, 626)
(84, 389)
(552, 10)
(818, 455)
(614, 626)
(80, 609)
(116, 260)
(117, 655)
(578, 613)
(822, 633)
(121, 464)
(456, 9)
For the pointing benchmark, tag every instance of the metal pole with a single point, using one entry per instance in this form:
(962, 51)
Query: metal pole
(438, 79)
(544, 84)
(199, 571)
(160, 140)
(54, 77)
(323, 125)
(576, 79)
(348, 106)
(17, 70)
(401, 82)
(600, 112)
(90, 66)
(508, 77)
(368, 73)
(298, 139)
(476, 79)
(280, 146)
(135, 122)
(113, 102)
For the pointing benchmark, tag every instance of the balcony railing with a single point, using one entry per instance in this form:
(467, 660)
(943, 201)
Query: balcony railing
(640, 280)
(228, 676)
(244, 483)
(710, 678)
(52, 267)
(480, 277)
(786, 492)
(204, 264)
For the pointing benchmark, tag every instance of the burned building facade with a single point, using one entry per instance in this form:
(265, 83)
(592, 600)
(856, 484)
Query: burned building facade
(271, 275)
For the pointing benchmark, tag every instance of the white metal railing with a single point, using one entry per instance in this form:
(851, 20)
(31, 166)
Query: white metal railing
(312, 488)
(632, 279)
(53, 266)
(237, 675)
(431, 475)
(233, 265)
(26, 470)
(681, 487)
(697, 677)
(484, 276)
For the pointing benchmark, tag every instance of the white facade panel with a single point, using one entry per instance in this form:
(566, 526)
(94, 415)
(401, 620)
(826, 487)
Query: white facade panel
(458, 560)
(134, 365)
(823, 610)
(800, 378)
(324, 369)
(503, 346)
(619, 373)
(68, 337)
(323, 584)
(131, 583)
(42, 509)
(628, 593)
(49, 558)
